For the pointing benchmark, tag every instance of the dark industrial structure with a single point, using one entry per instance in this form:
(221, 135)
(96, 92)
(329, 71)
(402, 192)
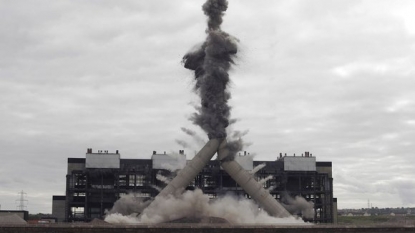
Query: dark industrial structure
(95, 182)
(24, 214)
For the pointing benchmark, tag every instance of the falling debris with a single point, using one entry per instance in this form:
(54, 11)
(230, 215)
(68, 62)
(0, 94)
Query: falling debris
(257, 168)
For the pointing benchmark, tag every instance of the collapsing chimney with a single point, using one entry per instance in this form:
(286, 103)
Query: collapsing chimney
(240, 175)
(250, 185)
(190, 171)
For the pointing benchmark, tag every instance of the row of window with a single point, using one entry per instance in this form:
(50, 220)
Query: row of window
(133, 180)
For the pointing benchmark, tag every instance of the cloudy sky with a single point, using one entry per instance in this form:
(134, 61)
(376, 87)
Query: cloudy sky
(335, 78)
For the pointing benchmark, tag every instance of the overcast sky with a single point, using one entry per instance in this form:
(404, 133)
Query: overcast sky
(335, 78)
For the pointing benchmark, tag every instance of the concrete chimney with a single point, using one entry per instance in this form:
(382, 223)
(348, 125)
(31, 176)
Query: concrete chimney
(250, 185)
(240, 175)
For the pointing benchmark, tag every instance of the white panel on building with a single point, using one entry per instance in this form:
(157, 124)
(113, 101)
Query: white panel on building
(299, 163)
(102, 161)
(246, 162)
(168, 162)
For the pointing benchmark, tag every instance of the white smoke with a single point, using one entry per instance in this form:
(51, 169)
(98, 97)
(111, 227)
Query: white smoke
(257, 168)
(270, 188)
(197, 138)
(162, 178)
(194, 143)
(183, 143)
(298, 206)
(156, 187)
(262, 181)
(196, 204)
(130, 203)
(175, 162)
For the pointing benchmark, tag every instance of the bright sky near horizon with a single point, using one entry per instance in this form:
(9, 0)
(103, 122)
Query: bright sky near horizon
(335, 78)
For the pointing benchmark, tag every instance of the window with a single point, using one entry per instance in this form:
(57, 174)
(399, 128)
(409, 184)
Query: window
(136, 180)
(142, 194)
(131, 180)
(122, 180)
(79, 180)
(211, 196)
(140, 180)
(77, 211)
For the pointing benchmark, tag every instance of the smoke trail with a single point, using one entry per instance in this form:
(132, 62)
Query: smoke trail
(262, 181)
(211, 63)
(199, 140)
(298, 205)
(175, 161)
(156, 188)
(235, 144)
(182, 143)
(239, 134)
(233, 121)
(214, 10)
(162, 178)
(270, 188)
(257, 168)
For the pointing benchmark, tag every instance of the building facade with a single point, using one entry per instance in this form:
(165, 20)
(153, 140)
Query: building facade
(95, 182)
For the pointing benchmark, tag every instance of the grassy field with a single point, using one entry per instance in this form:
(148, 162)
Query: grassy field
(372, 220)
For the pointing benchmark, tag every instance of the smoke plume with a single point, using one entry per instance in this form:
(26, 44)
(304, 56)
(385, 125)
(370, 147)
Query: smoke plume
(298, 206)
(129, 204)
(182, 143)
(156, 187)
(197, 138)
(211, 63)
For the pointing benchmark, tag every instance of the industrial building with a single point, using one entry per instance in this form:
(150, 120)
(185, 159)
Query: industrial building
(95, 182)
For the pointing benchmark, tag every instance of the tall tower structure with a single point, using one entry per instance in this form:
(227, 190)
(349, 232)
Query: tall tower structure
(22, 201)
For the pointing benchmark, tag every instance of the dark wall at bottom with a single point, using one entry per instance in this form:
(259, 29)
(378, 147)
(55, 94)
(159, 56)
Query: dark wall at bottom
(69, 228)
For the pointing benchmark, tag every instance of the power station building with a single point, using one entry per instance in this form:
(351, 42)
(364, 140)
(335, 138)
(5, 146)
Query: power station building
(94, 183)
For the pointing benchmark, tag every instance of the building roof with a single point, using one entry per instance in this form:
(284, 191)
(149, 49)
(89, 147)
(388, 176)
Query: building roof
(12, 219)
